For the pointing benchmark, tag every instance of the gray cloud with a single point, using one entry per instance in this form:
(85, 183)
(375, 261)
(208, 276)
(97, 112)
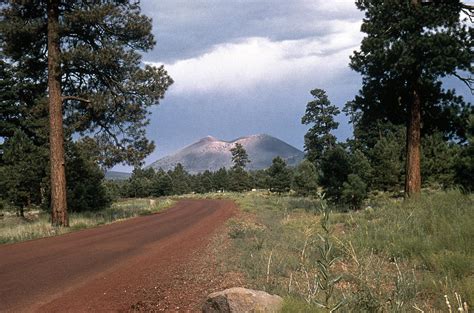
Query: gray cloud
(186, 28)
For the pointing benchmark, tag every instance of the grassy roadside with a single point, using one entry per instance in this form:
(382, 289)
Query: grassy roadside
(393, 256)
(38, 225)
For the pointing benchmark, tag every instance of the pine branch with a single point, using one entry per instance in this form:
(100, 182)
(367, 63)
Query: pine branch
(66, 98)
(468, 81)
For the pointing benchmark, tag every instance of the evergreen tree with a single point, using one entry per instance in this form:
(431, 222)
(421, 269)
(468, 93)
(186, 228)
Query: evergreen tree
(207, 183)
(141, 182)
(464, 166)
(180, 179)
(238, 179)
(305, 181)
(335, 167)
(387, 162)
(354, 191)
(240, 157)
(439, 158)
(360, 166)
(94, 77)
(280, 176)
(162, 184)
(85, 181)
(22, 169)
(407, 49)
(221, 179)
(261, 179)
(319, 113)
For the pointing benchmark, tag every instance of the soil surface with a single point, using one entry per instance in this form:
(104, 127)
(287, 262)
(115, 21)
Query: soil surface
(160, 262)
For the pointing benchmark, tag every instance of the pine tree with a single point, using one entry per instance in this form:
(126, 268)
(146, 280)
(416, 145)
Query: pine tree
(354, 191)
(305, 180)
(221, 179)
(181, 180)
(335, 167)
(240, 157)
(438, 161)
(261, 179)
(387, 162)
(94, 77)
(85, 180)
(360, 166)
(162, 184)
(464, 166)
(22, 169)
(319, 113)
(407, 49)
(280, 176)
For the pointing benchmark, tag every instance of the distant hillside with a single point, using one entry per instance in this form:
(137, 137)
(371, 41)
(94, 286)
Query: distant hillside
(114, 175)
(211, 154)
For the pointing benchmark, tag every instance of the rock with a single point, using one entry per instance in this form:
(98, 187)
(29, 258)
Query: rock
(238, 300)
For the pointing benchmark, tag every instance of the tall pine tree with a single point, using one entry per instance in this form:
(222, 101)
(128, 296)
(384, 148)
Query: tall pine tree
(408, 47)
(95, 83)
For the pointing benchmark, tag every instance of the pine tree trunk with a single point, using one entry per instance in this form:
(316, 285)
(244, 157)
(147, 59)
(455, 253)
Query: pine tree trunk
(413, 156)
(59, 215)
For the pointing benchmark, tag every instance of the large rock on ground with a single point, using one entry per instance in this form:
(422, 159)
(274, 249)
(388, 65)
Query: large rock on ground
(238, 300)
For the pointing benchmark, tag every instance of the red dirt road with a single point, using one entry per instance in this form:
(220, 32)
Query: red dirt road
(111, 268)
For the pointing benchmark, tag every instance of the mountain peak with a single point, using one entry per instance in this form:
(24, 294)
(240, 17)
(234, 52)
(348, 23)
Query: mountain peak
(208, 138)
(210, 153)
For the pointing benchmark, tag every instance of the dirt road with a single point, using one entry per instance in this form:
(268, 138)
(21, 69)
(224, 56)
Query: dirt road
(111, 268)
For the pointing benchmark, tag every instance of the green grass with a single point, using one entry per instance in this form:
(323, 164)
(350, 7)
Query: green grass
(432, 236)
(14, 229)
(393, 256)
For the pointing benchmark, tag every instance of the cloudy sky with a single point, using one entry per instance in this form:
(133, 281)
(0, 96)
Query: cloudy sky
(245, 67)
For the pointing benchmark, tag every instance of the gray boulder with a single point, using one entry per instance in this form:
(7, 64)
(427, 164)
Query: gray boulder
(239, 300)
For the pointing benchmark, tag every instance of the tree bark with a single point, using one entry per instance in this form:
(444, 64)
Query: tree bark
(413, 154)
(59, 215)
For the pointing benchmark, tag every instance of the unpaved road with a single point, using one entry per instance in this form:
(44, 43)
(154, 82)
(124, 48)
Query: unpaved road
(109, 268)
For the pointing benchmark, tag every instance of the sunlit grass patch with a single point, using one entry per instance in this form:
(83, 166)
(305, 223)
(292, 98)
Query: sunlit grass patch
(15, 229)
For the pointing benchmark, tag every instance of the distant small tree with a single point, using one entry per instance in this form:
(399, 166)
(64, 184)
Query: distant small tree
(141, 182)
(261, 179)
(207, 182)
(320, 114)
(162, 184)
(181, 181)
(387, 162)
(280, 176)
(360, 166)
(335, 168)
(305, 181)
(354, 191)
(240, 157)
(221, 179)
(239, 180)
